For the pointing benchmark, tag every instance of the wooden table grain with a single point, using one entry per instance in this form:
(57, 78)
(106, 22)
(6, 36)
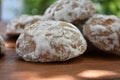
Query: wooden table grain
(90, 66)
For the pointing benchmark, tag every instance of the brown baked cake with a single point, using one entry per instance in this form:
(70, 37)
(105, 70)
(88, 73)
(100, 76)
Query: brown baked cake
(47, 41)
(2, 46)
(17, 25)
(103, 31)
(73, 11)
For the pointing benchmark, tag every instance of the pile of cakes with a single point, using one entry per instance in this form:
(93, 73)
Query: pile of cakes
(65, 31)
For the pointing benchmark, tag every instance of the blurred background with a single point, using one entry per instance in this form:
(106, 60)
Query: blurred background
(10, 9)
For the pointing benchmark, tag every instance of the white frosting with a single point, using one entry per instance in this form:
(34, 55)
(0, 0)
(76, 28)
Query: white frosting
(25, 20)
(53, 38)
(103, 34)
(104, 17)
(115, 27)
(69, 10)
(105, 40)
(97, 29)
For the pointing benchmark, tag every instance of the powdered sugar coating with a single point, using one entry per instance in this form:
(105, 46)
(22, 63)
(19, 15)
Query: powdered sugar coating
(51, 41)
(70, 10)
(104, 32)
(17, 25)
(2, 46)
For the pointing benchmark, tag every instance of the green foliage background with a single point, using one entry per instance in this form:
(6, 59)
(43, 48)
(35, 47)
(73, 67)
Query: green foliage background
(36, 6)
(103, 6)
(108, 6)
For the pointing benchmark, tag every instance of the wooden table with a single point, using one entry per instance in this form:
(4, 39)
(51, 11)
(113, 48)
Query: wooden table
(90, 66)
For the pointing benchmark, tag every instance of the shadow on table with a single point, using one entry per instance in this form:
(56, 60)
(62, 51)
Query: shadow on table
(90, 66)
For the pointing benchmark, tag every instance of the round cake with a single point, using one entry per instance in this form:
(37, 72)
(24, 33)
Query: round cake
(73, 11)
(17, 25)
(48, 41)
(103, 31)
